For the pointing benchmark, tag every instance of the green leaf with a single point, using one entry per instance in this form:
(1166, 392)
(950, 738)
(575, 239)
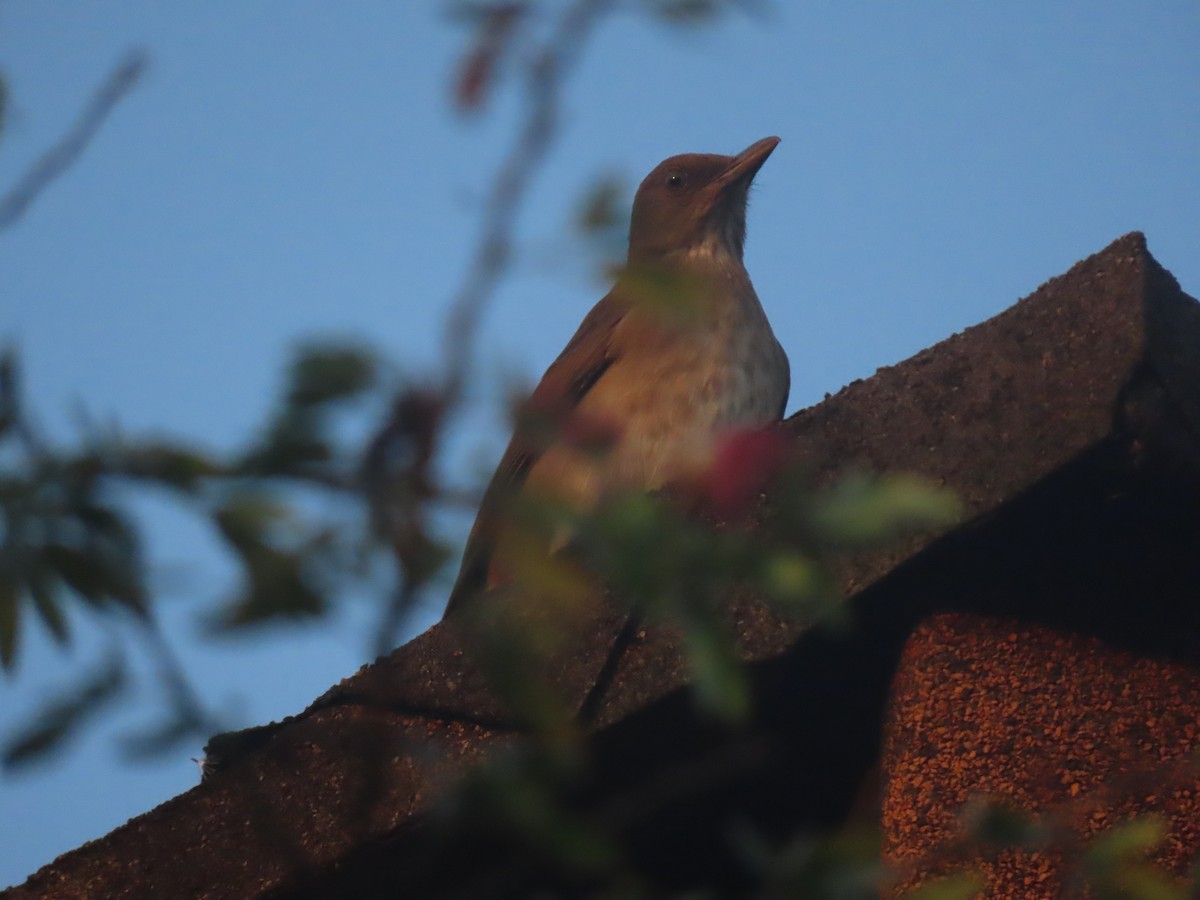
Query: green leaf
(1002, 825)
(10, 406)
(421, 555)
(107, 565)
(245, 519)
(174, 466)
(790, 578)
(1141, 881)
(10, 623)
(1117, 866)
(720, 679)
(1132, 839)
(604, 207)
(275, 583)
(107, 530)
(520, 795)
(294, 442)
(45, 601)
(628, 543)
(275, 588)
(870, 509)
(82, 572)
(321, 374)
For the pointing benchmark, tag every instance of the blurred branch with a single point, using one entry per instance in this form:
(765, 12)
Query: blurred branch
(55, 161)
(3, 102)
(546, 75)
(67, 536)
(399, 484)
(545, 70)
(397, 478)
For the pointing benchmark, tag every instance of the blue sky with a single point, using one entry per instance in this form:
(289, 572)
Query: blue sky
(290, 170)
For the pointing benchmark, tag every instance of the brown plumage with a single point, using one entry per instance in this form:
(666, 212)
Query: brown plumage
(678, 351)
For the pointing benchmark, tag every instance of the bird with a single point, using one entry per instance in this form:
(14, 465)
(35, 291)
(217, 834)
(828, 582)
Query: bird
(678, 352)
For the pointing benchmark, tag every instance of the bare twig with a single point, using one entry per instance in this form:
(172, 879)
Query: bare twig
(546, 76)
(55, 161)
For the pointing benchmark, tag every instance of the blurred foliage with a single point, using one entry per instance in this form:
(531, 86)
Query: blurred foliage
(70, 537)
(602, 220)
(1116, 864)
(990, 822)
(72, 544)
(665, 559)
(840, 866)
(523, 795)
(672, 558)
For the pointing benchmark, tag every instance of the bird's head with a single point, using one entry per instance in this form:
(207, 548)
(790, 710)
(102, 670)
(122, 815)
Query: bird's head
(694, 203)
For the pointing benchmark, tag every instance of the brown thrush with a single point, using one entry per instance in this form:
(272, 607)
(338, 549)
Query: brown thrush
(678, 352)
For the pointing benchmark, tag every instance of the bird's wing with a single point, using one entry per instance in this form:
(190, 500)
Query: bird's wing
(787, 384)
(582, 362)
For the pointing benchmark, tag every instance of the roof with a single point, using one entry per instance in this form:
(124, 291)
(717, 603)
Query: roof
(1085, 387)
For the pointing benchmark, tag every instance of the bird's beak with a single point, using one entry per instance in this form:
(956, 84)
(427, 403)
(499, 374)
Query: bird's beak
(747, 163)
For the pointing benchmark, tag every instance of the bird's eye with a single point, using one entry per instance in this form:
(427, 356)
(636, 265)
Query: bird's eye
(676, 180)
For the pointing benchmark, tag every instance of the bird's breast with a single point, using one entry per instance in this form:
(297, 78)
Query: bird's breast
(668, 395)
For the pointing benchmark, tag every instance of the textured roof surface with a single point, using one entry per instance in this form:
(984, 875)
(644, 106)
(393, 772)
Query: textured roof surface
(1071, 727)
(325, 802)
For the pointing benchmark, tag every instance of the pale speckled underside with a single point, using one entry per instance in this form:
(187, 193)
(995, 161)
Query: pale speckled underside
(717, 369)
